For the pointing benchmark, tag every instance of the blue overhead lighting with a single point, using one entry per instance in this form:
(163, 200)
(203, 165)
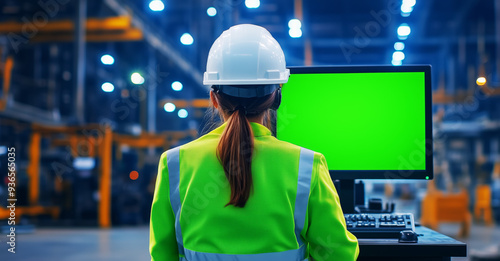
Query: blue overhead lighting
(410, 3)
(177, 86)
(403, 31)
(187, 39)
(398, 56)
(137, 78)
(211, 11)
(397, 62)
(406, 9)
(107, 59)
(294, 23)
(399, 46)
(169, 107)
(156, 5)
(295, 32)
(252, 3)
(107, 87)
(182, 113)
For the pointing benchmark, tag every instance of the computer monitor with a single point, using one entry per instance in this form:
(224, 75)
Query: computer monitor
(370, 122)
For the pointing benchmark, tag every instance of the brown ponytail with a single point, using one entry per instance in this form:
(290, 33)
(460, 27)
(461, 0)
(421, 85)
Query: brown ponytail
(235, 147)
(235, 154)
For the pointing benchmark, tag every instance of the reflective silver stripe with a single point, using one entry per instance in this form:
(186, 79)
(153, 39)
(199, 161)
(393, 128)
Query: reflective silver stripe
(175, 199)
(303, 188)
(290, 255)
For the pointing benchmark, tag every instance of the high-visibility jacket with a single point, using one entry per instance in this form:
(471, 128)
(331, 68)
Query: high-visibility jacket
(292, 214)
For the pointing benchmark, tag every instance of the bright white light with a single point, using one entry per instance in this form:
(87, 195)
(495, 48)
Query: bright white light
(295, 32)
(182, 113)
(399, 46)
(406, 9)
(107, 59)
(137, 78)
(404, 30)
(252, 3)
(397, 62)
(398, 56)
(177, 86)
(83, 163)
(294, 23)
(156, 5)
(187, 39)
(410, 3)
(211, 11)
(107, 87)
(169, 107)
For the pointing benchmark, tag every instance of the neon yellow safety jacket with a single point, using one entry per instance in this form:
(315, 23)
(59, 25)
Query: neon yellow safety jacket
(292, 214)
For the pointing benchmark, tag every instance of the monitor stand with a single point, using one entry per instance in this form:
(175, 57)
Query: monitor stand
(346, 195)
(352, 198)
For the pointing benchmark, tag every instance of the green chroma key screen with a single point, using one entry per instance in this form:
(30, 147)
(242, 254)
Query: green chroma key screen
(359, 121)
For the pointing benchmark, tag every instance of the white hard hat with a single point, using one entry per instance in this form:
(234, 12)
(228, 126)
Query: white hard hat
(246, 54)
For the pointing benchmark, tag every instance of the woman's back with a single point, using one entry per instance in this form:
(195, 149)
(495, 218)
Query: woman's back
(268, 221)
(265, 224)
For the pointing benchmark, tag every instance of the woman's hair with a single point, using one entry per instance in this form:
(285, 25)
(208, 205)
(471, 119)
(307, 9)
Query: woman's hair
(235, 147)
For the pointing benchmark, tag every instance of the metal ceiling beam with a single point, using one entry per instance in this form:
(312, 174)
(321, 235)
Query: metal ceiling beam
(129, 35)
(91, 24)
(453, 34)
(462, 14)
(195, 103)
(425, 10)
(383, 42)
(79, 51)
(32, 114)
(157, 39)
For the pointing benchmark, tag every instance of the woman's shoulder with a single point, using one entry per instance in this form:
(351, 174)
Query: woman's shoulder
(285, 144)
(199, 144)
(284, 147)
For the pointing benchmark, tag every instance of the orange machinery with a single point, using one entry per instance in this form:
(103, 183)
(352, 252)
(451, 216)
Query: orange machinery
(482, 206)
(91, 140)
(438, 207)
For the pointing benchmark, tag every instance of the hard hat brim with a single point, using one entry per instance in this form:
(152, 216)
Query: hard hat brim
(283, 79)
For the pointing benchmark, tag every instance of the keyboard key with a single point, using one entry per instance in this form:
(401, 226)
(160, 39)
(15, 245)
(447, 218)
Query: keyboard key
(377, 225)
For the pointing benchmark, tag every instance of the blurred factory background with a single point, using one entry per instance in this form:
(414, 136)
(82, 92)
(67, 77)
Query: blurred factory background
(93, 91)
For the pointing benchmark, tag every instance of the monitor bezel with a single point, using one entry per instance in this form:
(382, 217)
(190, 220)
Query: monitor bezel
(428, 173)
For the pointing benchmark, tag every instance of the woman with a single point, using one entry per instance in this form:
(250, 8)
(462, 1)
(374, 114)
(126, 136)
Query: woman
(238, 193)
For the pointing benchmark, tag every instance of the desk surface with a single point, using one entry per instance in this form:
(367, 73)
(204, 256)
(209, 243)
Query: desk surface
(432, 245)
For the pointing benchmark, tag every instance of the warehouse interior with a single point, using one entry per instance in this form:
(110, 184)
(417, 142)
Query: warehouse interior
(93, 92)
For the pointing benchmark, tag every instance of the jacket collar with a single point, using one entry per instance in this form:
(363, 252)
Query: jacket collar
(257, 129)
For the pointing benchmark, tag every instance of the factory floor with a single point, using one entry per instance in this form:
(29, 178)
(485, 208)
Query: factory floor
(483, 241)
(60, 244)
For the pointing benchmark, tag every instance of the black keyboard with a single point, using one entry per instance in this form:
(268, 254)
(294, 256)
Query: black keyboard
(379, 225)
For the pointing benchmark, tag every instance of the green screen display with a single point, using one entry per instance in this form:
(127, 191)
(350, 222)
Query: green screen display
(359, 121)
